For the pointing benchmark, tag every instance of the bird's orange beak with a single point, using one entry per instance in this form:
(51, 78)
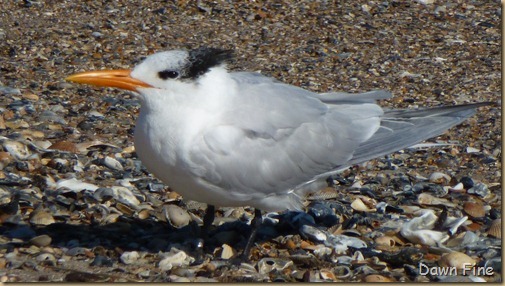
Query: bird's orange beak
(109, 78)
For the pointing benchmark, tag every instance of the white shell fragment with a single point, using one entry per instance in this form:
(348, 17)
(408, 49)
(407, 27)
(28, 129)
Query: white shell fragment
(129, 257)
(112, 163)
(17, 149)
(126, 196)
(453, 223)
(472, 150)
(177, 216)
(439, 178)
(266, 265)
(339, 243)
(75, 185)
(418, 230)
(456, 259)
(175, 258)
(313, 233)
(227, 251)
(359, 205)
(427, 199)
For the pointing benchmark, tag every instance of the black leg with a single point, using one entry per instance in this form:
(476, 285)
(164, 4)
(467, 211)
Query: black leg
(208, 219)
(255, 224)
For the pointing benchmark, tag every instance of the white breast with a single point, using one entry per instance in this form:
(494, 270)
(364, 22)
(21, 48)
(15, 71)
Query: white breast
(169, 122)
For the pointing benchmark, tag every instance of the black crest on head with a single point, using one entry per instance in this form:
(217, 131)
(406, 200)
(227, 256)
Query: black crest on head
(202, 59)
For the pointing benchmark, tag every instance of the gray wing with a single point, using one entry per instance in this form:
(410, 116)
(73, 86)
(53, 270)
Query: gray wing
(329, 97)
(278, 136)
(404, 128)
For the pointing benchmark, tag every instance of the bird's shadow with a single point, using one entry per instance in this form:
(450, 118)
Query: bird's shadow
(130, 234)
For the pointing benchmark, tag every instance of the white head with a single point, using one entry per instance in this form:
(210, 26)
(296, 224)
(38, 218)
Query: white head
(159, 70)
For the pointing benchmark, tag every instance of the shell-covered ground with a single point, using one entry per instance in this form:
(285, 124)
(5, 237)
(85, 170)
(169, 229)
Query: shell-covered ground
(76, 204)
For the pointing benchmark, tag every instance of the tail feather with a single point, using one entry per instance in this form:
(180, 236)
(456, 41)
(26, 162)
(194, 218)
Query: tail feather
(403, 128)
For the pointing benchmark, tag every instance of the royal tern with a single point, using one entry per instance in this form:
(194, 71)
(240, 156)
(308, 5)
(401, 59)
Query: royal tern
(244, 139)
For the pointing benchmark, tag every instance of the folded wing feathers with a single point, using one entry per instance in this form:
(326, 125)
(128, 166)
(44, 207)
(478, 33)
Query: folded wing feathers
(307, 147)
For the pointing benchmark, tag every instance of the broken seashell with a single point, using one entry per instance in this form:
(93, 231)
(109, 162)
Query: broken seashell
(439, 178)
(473, 209)
(125, 196)
(144, 213)
(227, 252)
(472, 150)
(410, 209)
(289, 243)
(322, 251)
(112, 163)
(456, 259)
(46, 258)
(360, 206)
(128, 211)
(83, 147)
(41, 217)
(30, 96)
(17, 124)
(479, 189)
(129, 149)
(307, 245)
(385, 240)
(495, 228)
(342, 272)
(17, 149)
(64, 146)
(453, 223)
(129, 257)
(427, 199)
(175, 258)
(376, 278)
(75, 185)
(111, 218)
(5, 157)
(313, 234)
(418, 230)
(341, 242)
(458, 187)
(176, 216)
(327, 275)
(267, 264)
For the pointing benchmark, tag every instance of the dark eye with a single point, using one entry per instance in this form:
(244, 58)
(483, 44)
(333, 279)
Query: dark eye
(166, 74)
